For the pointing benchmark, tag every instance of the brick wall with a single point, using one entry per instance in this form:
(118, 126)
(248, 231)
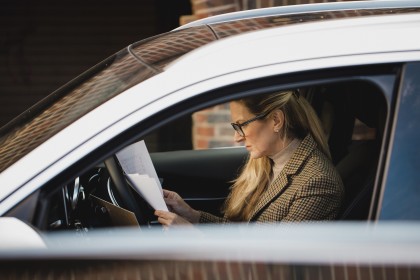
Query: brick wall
(45, 44)
(211, 127)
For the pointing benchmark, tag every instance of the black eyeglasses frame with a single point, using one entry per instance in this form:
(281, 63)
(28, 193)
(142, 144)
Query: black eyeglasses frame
(238, 126)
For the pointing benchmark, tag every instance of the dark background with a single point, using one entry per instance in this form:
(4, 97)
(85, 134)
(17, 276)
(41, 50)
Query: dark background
(44, 44)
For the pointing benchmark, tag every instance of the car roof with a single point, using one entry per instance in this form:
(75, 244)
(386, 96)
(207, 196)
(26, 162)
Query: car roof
(390, 33)
(302, 9)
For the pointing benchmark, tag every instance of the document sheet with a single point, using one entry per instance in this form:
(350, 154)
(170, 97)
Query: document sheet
(141, 174)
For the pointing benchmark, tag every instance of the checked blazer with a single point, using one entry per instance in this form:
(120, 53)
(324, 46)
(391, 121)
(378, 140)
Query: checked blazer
(308, 188)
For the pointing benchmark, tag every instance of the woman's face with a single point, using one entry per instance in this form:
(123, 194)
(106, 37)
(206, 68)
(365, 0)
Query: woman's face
(261, 136)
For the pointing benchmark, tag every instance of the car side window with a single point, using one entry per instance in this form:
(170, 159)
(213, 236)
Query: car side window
(353, 115)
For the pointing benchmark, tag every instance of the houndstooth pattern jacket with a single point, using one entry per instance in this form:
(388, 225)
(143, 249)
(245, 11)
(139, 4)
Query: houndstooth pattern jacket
(308, 188)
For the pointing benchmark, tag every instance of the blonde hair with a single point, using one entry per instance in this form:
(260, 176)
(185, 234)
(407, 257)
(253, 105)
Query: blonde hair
(300, 119)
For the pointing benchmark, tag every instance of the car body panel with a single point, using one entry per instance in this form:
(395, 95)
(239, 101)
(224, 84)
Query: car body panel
(328, 243)
(16, 234)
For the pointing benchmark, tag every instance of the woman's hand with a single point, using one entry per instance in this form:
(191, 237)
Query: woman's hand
(177, 205)
(168, 218)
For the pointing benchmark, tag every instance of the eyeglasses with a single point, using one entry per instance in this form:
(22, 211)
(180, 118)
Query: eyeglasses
(238, 126)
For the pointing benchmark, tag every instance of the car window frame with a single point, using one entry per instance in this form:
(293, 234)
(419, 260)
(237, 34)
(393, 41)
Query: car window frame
(224, 94)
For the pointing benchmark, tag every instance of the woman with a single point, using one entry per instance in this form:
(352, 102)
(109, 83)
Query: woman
(288, 177)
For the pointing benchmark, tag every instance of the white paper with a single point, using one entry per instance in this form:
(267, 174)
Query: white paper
(136, 159)
(139, 169)
(148, 189)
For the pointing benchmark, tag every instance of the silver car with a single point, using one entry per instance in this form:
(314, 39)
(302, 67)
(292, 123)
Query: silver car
(358, 63)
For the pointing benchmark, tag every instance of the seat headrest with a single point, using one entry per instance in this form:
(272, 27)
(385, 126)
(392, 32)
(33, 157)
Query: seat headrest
(369, 105)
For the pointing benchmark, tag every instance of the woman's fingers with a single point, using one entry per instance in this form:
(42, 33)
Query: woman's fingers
(177, 205)
(163, 214)
(170, 201)
(170, 194)
(164, 221)
(169, 218)
(167, 193)
(165, 218)
(173, 200)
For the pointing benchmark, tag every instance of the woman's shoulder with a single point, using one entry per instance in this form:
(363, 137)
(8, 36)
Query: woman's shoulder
(313, 163)
(308, 156)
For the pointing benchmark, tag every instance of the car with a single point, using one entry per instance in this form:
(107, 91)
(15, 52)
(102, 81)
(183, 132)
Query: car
(357, 63)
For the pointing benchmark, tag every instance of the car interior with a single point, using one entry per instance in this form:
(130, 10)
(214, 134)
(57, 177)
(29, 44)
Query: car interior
(353, 111)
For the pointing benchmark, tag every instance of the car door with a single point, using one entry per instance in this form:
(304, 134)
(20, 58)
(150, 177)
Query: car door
(399, 196)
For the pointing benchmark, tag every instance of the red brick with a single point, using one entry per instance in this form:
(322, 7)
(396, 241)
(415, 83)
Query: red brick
(205, 131)
(200, 117)
(201, 144)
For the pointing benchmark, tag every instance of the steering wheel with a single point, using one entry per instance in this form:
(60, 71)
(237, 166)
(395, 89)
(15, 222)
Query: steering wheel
(124, 190)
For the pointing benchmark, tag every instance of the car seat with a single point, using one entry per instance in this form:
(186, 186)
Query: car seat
(356, 160)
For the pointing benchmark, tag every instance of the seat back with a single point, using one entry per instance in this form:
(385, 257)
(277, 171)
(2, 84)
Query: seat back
(356, 160)
(357, 170)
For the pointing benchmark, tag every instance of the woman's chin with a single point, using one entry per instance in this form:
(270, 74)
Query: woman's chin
(254, 155)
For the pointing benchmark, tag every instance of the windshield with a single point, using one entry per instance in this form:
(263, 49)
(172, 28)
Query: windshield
(104, 81)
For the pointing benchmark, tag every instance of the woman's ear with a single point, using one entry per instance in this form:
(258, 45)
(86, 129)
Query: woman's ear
(278, 118)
